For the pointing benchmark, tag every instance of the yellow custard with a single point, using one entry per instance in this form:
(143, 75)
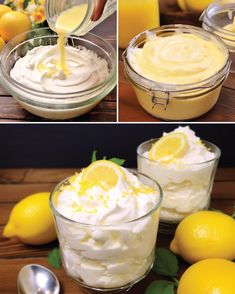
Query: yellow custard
(177, 59)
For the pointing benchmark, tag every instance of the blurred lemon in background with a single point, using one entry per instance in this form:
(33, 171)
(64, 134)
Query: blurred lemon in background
(31, 220)
(4, 9)
(194, 5)
(13, 23)
(205, 234)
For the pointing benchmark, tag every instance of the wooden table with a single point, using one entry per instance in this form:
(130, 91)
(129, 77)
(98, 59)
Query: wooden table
(129, 108)
(105, 111)
(15, 184)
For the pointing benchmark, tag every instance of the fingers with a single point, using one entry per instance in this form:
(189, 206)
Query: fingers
(98, 10)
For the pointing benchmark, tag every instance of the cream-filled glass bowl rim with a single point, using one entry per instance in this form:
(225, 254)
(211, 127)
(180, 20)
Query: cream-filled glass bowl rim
(204, 84)
(216, 151)
(51, 34)
(157, 205)
(205, 18)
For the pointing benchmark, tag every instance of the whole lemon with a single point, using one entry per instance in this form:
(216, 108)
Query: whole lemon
(205, 234)
(13, 23)
(31, 220)
(195, 5)
(4, 9)
(209, 276)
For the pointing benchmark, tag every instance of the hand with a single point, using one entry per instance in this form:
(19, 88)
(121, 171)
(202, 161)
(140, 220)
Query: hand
(98, 10)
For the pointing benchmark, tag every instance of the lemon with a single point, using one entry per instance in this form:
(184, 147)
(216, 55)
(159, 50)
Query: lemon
(195, 5)
(169, 147)
(181, 4)
(31, 220)
(205, 234)
(2, 43)
(4, 9)
(13, 23)
(209, 276)
(103, 171)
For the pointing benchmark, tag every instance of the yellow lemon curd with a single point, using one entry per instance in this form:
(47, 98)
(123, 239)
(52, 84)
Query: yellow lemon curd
(178, 62)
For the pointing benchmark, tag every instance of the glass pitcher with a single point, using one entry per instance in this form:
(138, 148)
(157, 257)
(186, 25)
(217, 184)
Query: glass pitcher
(93, 12)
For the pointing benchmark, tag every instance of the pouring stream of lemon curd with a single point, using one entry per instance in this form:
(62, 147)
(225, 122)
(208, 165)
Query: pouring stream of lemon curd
(66, 23)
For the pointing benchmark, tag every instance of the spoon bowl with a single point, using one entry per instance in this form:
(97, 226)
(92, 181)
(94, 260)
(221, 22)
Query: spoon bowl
(37, 279)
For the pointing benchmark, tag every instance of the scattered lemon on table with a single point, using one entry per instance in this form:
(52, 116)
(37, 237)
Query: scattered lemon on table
(194, 5)
(13, 23)
(169, 147)
(4, 9)
(104, 171)
(205, 234)
(31, 220)
(209, 276)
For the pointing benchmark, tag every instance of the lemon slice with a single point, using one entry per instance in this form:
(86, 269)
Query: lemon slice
(169, 147)
(103, 171)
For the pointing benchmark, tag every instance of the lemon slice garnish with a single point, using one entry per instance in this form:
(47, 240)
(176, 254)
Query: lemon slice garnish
(103, 172)
(169, 147)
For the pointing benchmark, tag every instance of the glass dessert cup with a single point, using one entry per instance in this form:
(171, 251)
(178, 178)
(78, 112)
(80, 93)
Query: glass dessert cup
(218, 15)
(176, 102)
(56, 106)
(186, 188)
(115, 263)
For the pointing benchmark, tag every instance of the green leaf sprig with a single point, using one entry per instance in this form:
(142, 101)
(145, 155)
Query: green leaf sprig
(54, 258)
(116, 160)
(166, 264)
(26, 3)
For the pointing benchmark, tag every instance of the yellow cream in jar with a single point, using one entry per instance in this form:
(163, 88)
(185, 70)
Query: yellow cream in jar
(177, 59)
(177, 71)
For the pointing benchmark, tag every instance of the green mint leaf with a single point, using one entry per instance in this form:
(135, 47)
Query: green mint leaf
(118, 161)
(160, 287)
(93, 157)
(166, 263)
(26, 3)
(54, 258)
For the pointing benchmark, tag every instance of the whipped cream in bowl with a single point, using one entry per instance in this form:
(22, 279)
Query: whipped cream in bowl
(107, 236)
(32, 71)
(186, 181)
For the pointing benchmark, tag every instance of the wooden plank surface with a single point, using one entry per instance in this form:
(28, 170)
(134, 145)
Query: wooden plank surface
(105, 111)
(129, 108)
(18, 183)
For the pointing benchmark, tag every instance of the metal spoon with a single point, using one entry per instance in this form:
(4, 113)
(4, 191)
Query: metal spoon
(37, 279)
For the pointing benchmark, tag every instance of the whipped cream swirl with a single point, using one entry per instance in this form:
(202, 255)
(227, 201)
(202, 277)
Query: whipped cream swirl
(40, 70)
(178, 59)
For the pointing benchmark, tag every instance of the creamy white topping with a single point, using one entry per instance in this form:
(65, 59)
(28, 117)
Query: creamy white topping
(186, 181)
(111, 251)
(40, 70)
(128, 200)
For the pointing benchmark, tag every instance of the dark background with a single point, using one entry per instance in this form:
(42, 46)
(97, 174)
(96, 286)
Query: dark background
(65, 145)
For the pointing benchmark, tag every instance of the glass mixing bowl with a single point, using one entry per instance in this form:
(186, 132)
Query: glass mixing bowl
(56, 106)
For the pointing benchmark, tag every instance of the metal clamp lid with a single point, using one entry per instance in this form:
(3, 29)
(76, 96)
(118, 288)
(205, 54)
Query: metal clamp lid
(164, 101)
